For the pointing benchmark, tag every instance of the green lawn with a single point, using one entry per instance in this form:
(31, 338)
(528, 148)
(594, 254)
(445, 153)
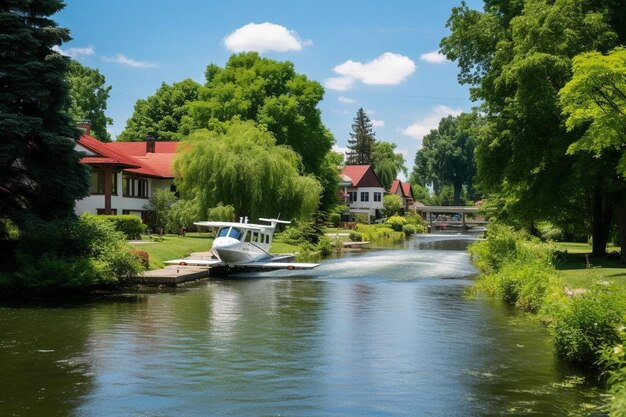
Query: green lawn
(175, 247)
(578, 274)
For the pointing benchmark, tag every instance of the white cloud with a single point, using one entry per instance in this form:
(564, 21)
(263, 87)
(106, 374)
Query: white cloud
(74, 52)
(129, 62)
(378, 123)
(433, 57)
(346, 100)
(424, 125)
(339, 83)
(342, 150)
(387, 69)
(264, 37)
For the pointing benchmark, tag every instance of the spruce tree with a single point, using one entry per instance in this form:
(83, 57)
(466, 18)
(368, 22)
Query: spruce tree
(40, 172)
(362, 140)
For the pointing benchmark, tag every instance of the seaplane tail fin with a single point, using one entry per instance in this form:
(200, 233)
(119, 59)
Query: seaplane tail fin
(274, 222)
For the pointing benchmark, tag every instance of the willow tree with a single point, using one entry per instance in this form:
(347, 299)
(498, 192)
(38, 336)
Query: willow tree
(239, 164)
(387, 163)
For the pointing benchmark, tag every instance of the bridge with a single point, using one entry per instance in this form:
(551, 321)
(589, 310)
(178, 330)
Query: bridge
(451, 216)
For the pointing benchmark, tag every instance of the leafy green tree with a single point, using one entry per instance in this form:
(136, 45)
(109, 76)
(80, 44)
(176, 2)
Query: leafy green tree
(88, 98)
(362, 140)
(516, 56)
(159, 206)
(183, 213)
(594, 101)
(393, 205)
(160, 115)
(41, 175)
(221, 213)
(270, 93)
(387, 163)
(447, 156)
(239, 164)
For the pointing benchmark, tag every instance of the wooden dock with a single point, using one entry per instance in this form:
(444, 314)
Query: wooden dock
(175, 275)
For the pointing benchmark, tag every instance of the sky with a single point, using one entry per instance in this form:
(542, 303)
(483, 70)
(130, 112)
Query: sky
(379, 56)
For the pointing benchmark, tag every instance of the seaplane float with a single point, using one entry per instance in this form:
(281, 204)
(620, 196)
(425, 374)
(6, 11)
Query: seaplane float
(244, 246)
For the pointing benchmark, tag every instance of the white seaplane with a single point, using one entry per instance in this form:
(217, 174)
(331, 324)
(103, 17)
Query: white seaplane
(244, 245)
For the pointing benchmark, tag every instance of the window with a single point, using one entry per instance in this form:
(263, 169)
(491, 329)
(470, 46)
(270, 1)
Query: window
(223, 232)
(365, 196)
(378, 196)
(134, 187)
(97, 183)
(352, 195)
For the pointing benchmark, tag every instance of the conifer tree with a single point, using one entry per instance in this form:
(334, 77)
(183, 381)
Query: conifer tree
(362, 140)
(40, 172)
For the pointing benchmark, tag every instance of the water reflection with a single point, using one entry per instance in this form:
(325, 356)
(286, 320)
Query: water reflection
(381, 333)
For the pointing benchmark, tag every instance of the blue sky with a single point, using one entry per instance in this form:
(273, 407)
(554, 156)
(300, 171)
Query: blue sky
(381, 56)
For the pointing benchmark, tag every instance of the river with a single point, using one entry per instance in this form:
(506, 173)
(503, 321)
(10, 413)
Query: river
(387, 332)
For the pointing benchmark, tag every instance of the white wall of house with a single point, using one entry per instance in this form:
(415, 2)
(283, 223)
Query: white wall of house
(135, 205)
(370, 206)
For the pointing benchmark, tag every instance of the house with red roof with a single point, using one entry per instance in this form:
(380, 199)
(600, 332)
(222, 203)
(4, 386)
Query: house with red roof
(124, 175)
(362, 191)
(404, 190)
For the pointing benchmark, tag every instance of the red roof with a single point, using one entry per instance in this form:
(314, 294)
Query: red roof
(132, 156)
(104, 154)
(361, 175)
(394, 187)
(407, 190)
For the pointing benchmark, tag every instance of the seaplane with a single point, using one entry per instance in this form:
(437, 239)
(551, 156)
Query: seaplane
(244, 246)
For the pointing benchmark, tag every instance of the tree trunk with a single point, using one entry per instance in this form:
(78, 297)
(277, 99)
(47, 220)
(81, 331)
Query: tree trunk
(620, 214)
(600, 222)
(457, 194)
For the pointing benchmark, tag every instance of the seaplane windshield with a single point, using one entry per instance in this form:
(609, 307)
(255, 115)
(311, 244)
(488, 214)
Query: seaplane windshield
(230, 232)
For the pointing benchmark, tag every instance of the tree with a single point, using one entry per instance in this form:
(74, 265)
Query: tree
(393, 205)
(387, 164)
(159, 206)
(517, 56)
(447, 156)
(160, 115)
(239, 164)
(40, 172)
(594, 101)
(270, 93)
(362, 140)
(88, 98)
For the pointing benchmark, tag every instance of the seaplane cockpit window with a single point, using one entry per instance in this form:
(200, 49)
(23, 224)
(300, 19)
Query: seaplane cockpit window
(223, 232)
(235, 233)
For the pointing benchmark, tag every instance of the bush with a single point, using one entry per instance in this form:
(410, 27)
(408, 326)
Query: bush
(408, 230)
(588, 323)
(325, 246)
(130, 225)
(70, 255)
(393, 205)
(142, 256)
(379, 232)
(335, 219)
(361, 218)
(417, 222)
(356, 237)
(396, 223)
(613, 361)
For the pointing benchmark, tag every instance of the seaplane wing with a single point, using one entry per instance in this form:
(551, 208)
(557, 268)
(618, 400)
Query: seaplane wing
(243, 226)
(276, 265)
(196, 262)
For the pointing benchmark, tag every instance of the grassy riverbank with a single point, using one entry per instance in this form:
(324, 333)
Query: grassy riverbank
(584, 307)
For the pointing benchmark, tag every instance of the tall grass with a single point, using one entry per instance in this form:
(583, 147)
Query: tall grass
(586, 327)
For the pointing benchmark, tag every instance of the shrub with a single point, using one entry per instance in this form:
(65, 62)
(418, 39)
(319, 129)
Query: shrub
(130, 225)
(587, 323)
(335, 219)
(356, 237)
(361, 218)
(613, 361)
(379, 232)
(417, 222)
(396, 223)
(325, 246)
(70, 255)
(393, 205)
(142, 256)
(408, 230)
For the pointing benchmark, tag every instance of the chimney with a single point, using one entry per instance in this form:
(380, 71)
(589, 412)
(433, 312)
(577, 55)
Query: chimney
(150, 144)
(84, 126)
